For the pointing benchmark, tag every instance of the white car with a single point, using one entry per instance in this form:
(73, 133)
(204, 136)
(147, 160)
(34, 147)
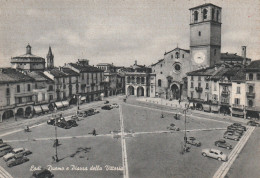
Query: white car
(16, 151)
(114, 105)
(214, 153)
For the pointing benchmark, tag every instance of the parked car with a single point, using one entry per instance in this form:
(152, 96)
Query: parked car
(17, 160)
(62, 123)
(193, 141)
(106, 102)
(239, 130)
(4, 150)
(96, 111)
(173, 127)
(235, 132)
(231, 136)
(90, 112)
(72, 123)
(16, 151)
(222, 143)
(82, 114)
(253, 123)
(238, 125)
(114, 105)
(106, 107)
(216, 154)
(3, 145)
(44, 173)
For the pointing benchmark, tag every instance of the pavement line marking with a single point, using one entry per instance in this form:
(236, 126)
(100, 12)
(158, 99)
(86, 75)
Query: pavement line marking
(224, 168)
(4, 173)
(179, 113)
(123, 144)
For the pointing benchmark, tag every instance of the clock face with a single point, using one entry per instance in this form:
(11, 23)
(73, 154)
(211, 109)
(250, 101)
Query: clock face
(199, 57)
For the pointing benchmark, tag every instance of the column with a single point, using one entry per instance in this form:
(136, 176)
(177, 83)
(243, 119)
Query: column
(135, 91)
(144, 91)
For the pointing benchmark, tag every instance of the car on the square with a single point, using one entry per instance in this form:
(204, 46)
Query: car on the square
(82, 114)
(253, 123)
(106, 102)
(214, 153)
(231, 136)
(72, 123)
(18, 159)
(96, 111)
(3, 145)
(16, 151)
(5, 150)
(43, 173)
(173, 127)
(239, 130)
(238, 125)
(106, 107)
(90, 112)
(193, 141)
(62, 123)
(235, 132)
(114, 105)
(222, 143)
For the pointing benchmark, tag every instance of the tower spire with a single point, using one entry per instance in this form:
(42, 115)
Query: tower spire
(50, 59)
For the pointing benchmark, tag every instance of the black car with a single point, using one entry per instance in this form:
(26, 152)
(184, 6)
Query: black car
(106, 102)
(44, 173)
(192, 141)
(90, 112)
(72, 123)
(51, 122)
(106, 107)
(234, 132)
(253, 123)
(238, 125)
(17, 160)
(222, 143)
(237, 129)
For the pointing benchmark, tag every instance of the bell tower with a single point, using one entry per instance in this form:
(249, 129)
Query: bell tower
(205, 35)
(50, 59)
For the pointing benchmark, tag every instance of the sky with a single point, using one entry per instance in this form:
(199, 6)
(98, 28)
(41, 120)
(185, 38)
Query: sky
(118, 31)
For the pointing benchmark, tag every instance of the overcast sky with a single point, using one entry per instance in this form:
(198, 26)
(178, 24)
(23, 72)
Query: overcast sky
(117, 31)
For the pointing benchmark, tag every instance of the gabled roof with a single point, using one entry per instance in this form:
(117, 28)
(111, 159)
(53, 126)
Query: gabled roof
(85, 68)
(186, 50)
(9, 75)
(226, 72)
(69, 72)
(38, 76)
(157, 62)
(56, 73)
(254, 65)
(209, 71)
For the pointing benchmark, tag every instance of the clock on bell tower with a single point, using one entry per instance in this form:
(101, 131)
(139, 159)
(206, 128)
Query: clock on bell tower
(205, 35)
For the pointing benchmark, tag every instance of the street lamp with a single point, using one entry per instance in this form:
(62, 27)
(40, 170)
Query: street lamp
(56, 142)
(185, 131)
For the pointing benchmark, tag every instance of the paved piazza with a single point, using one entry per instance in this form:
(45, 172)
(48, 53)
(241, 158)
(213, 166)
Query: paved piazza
(132, 141)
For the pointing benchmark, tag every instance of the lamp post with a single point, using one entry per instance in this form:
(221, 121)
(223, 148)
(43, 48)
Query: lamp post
(185, 131)
(162, 116)
(56, 135)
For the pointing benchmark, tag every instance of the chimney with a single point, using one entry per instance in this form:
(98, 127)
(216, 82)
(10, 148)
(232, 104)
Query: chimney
(60, 68)
(244, 54)
(135, 62)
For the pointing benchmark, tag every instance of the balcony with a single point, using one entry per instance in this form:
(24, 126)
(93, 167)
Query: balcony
(237, 106)
(199, 89)
(250, 95)
(225, 93)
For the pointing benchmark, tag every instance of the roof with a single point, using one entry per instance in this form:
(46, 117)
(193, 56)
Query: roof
(69, 71)
(157, 62)
(203, 5)
(57, 73)
(227, 72)
(85, 68)
(209, 71)
(9, 75)
(38, 76)
(232, 57)
(28, 56)
(186, 50)
(104, 64)
(254, 65)
(240, 75)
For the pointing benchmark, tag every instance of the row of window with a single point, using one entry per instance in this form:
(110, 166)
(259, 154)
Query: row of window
(251, 76)
(205, 15)
(199, 85)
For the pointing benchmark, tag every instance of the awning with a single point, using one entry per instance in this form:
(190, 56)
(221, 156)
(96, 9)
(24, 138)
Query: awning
(45, 108)
(236, 112)
(59, 105)
(83, 98)
(214, 108)
(65, 103)
(206, 107)
(37, 109)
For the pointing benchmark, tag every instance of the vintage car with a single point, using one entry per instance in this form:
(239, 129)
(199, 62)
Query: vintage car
(193, 141)
(216, 154)
(106, 107)
(253, 123)
(231, 136)
(106, 102)
(4, 150)
(51, 121)
(173, 127)
(18, 159)
(16, 151)
(238, 125)
(114, 105)
(89, 112)
(43, 173)
(72, 123)
(96, 111)
(222, 143)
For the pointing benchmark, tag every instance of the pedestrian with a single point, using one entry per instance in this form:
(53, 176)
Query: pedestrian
(179, 101)
(94, 132)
